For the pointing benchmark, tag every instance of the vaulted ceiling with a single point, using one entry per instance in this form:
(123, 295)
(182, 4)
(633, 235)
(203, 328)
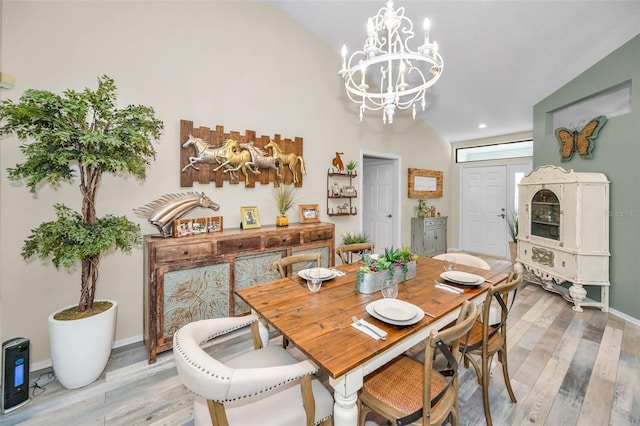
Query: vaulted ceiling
(501, 57)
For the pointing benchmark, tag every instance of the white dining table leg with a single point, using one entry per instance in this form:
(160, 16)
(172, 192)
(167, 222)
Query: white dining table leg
(345, 395)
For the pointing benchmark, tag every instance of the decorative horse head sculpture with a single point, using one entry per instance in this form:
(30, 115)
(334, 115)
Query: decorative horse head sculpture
(163, 211)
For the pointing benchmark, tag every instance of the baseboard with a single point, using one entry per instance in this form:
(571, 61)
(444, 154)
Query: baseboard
(47, 363)
(628, 318)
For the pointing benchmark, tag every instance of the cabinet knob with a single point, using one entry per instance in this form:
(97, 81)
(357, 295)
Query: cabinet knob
(240, 245)
(185, 251)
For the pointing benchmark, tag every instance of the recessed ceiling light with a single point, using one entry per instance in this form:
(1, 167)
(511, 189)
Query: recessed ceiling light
(482, 126)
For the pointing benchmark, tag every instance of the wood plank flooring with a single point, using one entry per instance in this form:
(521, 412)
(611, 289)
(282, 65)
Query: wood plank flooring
(567, 368)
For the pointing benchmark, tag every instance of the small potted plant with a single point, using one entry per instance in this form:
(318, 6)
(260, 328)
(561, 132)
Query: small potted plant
(351, 167)
(400, 265)
(423, 209)
(285, 198)
(355, 238)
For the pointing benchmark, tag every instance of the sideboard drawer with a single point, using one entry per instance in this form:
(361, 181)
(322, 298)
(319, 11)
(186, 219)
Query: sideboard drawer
(181, 252)
(239, 244)
(318, 235)
(283, 240)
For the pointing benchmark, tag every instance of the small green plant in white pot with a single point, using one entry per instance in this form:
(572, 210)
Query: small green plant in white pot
(76, 137)
(351, 167)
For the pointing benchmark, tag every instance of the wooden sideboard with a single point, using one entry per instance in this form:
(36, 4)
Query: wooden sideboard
(192, 278)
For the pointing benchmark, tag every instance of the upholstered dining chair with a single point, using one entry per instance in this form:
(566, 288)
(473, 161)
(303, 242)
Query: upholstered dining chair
(347, 251)
(406, 391)
(486, 339)
(465, 259)
(285, 264)
(268, 383)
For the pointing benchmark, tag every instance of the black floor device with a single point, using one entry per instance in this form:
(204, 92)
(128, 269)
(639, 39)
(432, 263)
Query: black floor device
(15, 373)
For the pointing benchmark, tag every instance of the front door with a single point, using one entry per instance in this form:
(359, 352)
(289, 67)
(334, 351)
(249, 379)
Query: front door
(380, 215)
(484, 210)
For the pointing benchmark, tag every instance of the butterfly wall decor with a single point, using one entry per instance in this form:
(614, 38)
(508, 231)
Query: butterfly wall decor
(582, 141)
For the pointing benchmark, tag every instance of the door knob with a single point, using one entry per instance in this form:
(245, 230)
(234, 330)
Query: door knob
(388, 215)
(501, 215)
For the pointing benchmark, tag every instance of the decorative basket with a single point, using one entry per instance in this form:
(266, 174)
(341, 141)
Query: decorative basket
(372, 281)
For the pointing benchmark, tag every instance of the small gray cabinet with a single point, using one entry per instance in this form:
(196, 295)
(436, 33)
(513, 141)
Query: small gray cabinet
(429, 236)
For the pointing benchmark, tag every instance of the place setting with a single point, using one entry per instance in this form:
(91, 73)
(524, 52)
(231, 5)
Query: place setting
(389, 310)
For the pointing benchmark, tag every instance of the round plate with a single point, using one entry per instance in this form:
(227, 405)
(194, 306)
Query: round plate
(417, 318)
(325, 274)
(462, 278)
(390, 308)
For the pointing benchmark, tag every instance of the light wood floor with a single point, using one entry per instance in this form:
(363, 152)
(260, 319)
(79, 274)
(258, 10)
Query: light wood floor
(567, 368)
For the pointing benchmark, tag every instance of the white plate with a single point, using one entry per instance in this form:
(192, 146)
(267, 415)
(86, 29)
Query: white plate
(325, 274)
(417, 318)
(463, 278)
(392, 309)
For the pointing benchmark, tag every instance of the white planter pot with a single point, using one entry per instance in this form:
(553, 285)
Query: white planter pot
(80, 349)
(373, 281)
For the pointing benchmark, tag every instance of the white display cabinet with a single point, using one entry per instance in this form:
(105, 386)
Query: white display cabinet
(564, 232)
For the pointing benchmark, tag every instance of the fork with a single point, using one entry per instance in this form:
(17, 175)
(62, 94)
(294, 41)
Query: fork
(364, 324)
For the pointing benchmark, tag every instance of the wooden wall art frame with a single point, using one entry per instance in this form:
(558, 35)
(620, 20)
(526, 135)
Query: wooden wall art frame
(250, 217)
(197, 226)
(309, 213)
(425, 183)
(215, 139)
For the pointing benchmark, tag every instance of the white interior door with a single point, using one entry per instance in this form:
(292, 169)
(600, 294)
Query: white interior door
(484, 210)
(379, 212)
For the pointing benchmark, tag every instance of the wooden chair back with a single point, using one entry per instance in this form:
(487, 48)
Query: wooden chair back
(346, 251)
(285, 264)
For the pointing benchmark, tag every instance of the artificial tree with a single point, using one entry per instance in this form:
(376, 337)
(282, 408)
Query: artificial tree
(80, 135)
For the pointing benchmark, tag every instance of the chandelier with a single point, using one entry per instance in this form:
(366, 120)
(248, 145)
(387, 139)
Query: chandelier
(404, 75)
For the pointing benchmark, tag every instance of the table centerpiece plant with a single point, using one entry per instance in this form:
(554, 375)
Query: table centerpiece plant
(393, 264)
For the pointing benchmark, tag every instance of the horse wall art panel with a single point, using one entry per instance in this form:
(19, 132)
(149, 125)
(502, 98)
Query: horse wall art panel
(215, 156)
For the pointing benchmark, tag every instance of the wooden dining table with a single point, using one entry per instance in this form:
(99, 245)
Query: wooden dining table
(319, 324)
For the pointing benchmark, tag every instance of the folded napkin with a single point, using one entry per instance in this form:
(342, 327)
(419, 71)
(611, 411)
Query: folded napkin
(339, 273)
(366, 330)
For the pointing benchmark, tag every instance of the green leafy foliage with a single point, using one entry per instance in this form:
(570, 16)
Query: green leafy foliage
(69, 239)
(355, 238)
(79, 135)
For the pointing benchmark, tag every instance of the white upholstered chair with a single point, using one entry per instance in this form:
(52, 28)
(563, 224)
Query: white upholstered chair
(267, 386)
(465, 259)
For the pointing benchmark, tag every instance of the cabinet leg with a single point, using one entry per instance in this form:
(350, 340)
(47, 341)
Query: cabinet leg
(578, 294)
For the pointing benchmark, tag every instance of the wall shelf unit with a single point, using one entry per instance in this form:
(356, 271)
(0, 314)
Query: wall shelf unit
(339, 195)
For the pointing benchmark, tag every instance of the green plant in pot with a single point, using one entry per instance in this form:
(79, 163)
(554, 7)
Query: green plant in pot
(285, 197)
(351, 167)
(77, 137)
(354, 238)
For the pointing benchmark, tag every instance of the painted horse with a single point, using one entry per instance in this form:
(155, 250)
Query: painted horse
(260, 159)
(205, 153)
(163, 211)
(288, 159)
(236, 159)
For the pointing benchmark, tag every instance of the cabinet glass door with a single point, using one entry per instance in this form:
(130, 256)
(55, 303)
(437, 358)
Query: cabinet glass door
(545, 215)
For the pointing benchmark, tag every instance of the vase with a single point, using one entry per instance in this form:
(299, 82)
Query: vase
(282, 220)
(373, 281)
(80, 349)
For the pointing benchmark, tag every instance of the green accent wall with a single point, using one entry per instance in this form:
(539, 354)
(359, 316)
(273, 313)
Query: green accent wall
(616, 154)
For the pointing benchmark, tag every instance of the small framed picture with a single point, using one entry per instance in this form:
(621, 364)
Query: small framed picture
(349, 191)
(250, 217)
(309, 213)
(201, 225)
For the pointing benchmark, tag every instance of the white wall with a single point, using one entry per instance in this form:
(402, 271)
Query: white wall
(243, 65)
